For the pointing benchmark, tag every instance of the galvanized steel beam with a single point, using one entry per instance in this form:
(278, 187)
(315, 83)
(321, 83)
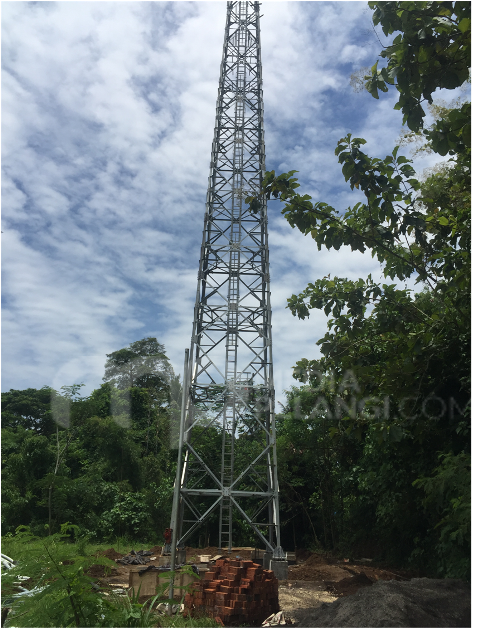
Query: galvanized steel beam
(227, 437)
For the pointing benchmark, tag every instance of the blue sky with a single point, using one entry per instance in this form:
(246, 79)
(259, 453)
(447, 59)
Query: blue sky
(107, 123)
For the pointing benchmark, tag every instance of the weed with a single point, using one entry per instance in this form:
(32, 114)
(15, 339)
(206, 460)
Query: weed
(63, 594)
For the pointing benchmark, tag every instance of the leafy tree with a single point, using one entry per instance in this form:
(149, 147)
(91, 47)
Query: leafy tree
(413, 229)
(431, 51)
(142, 364)
(26, 459)
(28, 409)
(447, 491)
(68, 457)
(409, 351)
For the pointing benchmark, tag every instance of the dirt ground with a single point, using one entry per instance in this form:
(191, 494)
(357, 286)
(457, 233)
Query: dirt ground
(325, 591)
(414, 603)
(313, 580)
(340, 577)
(293, 596)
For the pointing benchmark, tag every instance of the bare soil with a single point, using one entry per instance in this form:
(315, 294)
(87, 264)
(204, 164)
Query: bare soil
(101, 571)
(418, 602)
(110, 553)
(324, 591)
(315, 577)
(156, 549)
(293, 596)
(340, 577)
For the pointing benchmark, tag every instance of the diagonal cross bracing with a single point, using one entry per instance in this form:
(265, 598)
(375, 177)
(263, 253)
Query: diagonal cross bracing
(227, 458)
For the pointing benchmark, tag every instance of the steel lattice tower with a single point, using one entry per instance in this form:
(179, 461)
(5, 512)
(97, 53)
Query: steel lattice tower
(227, 454)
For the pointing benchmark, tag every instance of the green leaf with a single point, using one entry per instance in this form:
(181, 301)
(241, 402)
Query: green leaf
(465, 24)
(467, 134)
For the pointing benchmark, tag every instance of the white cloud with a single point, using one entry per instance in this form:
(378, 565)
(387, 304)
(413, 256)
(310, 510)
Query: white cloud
(108, 114)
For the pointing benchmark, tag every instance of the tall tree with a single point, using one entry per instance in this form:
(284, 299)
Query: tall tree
(29, 409)
(415, 230)
(410, 353)
(142, 364)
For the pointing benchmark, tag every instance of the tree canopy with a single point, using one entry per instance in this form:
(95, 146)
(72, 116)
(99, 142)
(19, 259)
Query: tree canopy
(142, 364)
(408, 352)
(70, 458)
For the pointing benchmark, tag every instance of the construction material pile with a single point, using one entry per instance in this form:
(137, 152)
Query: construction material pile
(419, 602)
(135, 558)
(235, 591)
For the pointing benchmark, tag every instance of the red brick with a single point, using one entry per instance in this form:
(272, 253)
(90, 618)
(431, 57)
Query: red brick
(240, 597)
(247, 563)
(222, 598)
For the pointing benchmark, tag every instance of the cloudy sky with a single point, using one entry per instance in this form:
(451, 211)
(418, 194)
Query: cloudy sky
(107, 123)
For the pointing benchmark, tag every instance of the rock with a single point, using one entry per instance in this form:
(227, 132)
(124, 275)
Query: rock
(421, 602)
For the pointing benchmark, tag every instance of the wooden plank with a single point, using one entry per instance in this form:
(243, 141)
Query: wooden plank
(146, 583)
(150, 580)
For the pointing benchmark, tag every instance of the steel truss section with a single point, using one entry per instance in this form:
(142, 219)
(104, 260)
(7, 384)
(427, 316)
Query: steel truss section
(227, 454)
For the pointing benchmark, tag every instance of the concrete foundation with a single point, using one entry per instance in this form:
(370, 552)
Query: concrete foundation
(181, 556)
(280, 569)
(163, 561)
(267, 557)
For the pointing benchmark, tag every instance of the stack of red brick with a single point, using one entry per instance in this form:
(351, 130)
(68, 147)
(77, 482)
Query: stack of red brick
(236, 591)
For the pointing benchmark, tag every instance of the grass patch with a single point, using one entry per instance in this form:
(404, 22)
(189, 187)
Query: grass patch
(63, 592)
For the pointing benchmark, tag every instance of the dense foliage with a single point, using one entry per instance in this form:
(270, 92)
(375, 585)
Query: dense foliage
(63, 591)
(376, 442)
(104, 461)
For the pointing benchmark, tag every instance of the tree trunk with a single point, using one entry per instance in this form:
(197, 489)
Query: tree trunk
(58, 461)
(50, 490)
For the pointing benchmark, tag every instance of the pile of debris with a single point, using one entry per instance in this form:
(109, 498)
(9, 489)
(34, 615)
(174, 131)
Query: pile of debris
(420, 602)
(349, 585)
(135, 558)
(236, 592)
(7, 562)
